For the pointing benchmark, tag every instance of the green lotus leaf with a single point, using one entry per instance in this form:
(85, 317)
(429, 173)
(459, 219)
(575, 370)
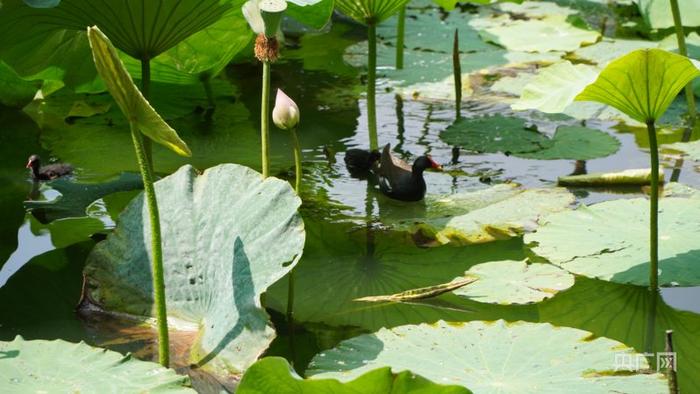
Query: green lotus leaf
(641, 84)
(218, 228)
(657, 13)
(370, 11)
(634, 316)
(275, 375)
(576, 143)
(609, 49)
(312, 13)
(130, 100)
(552, 33)
(554, 88)
(15, 91)
(634, 177)
(484, 356)
(515, 282)
(76, 197)
(497, 133)
(39, 365)
(610, 241)
(691, 149)
(383, 262)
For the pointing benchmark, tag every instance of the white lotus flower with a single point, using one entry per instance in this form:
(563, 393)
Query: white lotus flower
(286, 113)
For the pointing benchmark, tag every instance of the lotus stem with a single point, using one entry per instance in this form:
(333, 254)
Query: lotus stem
(371, 87)
(265, 119)
(297, 161)
(682, 49)
(457, 69)
(400, 33)
(156, 247)
(146, 91)
(671, 370)
(654, 210)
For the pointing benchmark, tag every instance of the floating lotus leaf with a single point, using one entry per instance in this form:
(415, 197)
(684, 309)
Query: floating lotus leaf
(576, 143)
(609, 49)
(369, 11)
(217, 231)
(536, 9)
(610, 241)
(76, 197)
(275, 375)
(483, 356)
(552, 33)
(497, 133)
(60, 366)
(657, 13)
(515, 282)
(691, 149)
(635, 177)
(641, 84)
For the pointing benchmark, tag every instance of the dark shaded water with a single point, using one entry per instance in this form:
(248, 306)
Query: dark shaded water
(349, 253)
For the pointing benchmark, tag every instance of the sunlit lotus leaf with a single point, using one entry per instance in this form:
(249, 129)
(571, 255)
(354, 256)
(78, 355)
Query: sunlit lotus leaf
(610, 241)
(369, 11)
(691, 149)
(39, 365)
(217, 230)
(536, 9)
(657, 13)
(483, 355)
(555, 87)
(130, 100)
(634, 177)
(275, 375)
(552, 33)
(609, 49)
(641, 84)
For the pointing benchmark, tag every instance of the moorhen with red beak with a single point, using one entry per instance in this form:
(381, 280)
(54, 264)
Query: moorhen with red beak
(49, 172)
(397, 179)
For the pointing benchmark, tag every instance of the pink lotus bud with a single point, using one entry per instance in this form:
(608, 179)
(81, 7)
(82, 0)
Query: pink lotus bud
(286, 113)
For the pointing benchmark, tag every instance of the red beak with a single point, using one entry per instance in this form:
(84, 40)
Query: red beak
(434, 165)
(29, 164)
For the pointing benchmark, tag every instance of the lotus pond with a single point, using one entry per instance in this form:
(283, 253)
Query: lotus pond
(527, 267)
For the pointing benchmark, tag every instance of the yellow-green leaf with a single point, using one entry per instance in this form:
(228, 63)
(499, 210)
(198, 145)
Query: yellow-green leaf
(130, 100)
(642, 84)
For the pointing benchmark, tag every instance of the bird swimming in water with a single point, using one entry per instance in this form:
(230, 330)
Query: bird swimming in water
(48, 172)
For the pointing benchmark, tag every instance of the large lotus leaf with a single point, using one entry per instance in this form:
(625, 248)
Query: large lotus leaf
(576, 143)
(342, 263)
(370, 11)
(134, 106)
(218, 228)
(497, 133)
(39, 365)
(313, 13)
(657, 13)
(76, 197)
(634, 316)
(609, 49)
(488, 356)
(15, 91)
(275, 375)
(552, 33)
(641, 84)
(515, 282)
(610, 241)
(555, 87)
(633, 177)
(691, 149)
(535, 9)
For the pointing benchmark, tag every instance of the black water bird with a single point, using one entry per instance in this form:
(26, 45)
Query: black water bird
(48, 172)
(360, 162)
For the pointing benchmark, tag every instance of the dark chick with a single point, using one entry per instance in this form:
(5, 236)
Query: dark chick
(48, 172)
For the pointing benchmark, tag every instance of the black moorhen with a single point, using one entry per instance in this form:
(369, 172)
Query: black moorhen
(49, 172)
(360, 162)
(401, 181)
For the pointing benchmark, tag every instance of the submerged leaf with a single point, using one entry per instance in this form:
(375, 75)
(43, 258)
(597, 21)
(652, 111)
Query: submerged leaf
(60, 366)
(423, 292)
(130, 100)
(484, 355)
(275, 375)
(227, 236)
(610, 241)
(641, 84)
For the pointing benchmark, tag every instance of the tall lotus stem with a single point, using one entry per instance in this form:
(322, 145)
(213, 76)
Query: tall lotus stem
(297, 161)
(457, 71)
(654, 210)
(671, 370)
(157, 265)
(264, 119)
(146, 91)
(400, 34)
(680, 36)
(371, 86)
